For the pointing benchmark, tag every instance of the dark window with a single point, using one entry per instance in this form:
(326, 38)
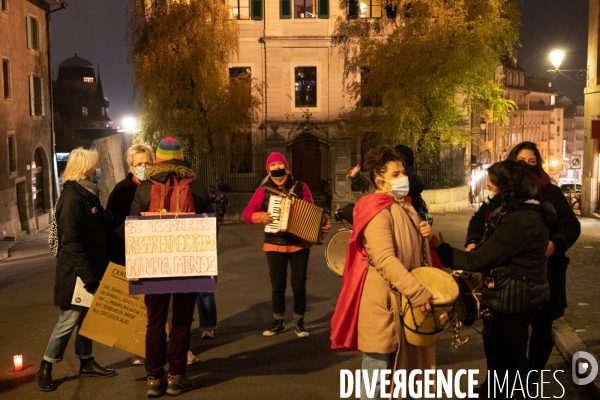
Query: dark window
(33, 34)
(12, 154)
(6, 78)
(237, 71)
(36, 95)
(4, 5)
(367, 97)
(305, 9)
(239, 9)
(306, 86)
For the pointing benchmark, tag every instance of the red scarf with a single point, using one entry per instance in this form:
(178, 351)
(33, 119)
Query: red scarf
(344, 323)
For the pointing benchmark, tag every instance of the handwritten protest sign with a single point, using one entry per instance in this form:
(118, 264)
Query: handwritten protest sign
(116, 318)
(171, 246)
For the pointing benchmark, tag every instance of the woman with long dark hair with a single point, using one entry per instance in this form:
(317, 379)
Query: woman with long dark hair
(512, 256)
(563, 234)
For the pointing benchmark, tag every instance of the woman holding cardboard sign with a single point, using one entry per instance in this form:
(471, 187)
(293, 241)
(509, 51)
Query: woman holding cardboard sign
(81, 253)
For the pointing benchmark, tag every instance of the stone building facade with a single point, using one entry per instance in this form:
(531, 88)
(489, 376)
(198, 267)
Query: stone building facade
(25, 117)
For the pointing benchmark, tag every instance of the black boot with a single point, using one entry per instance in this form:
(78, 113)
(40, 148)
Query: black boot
(44, 377)
(89, 368)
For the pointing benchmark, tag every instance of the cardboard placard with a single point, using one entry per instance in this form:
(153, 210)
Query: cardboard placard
(116, 318)
(170, 246)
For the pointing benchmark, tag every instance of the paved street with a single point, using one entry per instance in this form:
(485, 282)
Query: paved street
(240, 363)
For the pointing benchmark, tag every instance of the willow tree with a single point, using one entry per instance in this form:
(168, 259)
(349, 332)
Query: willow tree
(407, 70)
(180, 55)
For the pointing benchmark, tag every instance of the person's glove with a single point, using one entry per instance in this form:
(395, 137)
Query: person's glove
(92, 287)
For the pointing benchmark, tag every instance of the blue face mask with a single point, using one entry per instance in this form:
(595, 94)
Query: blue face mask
(399, 187)
(487, 195)
(94, 179)
(140, 172)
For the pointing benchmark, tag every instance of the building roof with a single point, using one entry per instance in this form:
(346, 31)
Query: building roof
(539, 84)
(76, 62)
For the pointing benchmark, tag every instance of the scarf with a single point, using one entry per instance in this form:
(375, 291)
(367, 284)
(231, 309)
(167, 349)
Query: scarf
(89, 186)
(344, 322)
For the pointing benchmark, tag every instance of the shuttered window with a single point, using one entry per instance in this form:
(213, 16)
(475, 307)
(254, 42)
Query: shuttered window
(285, 9)
(36, 95)
(352, 9)
(323, 9)
(34, 34)
(257, 10)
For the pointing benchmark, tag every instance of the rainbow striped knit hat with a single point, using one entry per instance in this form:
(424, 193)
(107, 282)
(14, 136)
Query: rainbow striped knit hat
(169, 149)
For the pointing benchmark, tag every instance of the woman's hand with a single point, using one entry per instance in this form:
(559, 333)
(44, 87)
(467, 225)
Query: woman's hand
(354, 171)
(425, 228)
(425, 306)
(326, 227)
(551, 249)
(434, 242)
(266, 218)
(470, 247)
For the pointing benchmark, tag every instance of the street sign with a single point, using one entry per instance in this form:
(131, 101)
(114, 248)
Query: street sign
(575, 162)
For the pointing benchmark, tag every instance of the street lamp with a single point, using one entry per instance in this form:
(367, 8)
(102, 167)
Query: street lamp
(556, 57)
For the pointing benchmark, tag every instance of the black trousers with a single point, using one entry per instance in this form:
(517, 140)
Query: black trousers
(505, 338)
(278, 263)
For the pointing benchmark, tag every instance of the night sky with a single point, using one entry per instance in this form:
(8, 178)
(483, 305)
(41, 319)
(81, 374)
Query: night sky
(96, 31)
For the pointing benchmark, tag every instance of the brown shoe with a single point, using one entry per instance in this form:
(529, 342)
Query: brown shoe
(179, 384)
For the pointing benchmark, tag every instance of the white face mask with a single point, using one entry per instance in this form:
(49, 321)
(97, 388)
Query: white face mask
(140, 172)
(487, 195)
(399, 187)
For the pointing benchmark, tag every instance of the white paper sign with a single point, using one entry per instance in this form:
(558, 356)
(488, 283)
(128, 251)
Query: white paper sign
(169, 246)
(81, 297)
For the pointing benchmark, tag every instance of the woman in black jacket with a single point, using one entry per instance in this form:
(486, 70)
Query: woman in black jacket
(563, 234)
(512, 255)
(81, 253)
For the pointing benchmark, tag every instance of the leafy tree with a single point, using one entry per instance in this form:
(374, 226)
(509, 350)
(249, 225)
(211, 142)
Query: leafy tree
(418, 61)
(180, 53)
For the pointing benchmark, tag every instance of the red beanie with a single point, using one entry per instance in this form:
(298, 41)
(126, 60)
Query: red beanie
(276, 157)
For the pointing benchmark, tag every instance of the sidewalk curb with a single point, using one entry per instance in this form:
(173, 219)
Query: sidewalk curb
(568, 343)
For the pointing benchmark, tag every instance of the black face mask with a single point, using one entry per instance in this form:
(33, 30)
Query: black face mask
(278, 173)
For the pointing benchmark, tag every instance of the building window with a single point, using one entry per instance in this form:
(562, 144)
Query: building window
(237, 71)
(36, 95)
(5, 5)
(306, 86)
(6, 78)
(103, 111)
(12, 154)
(305, 9)
(34, 34)
(88, 79)
(84, 111)
(365, 8)
(239, 9)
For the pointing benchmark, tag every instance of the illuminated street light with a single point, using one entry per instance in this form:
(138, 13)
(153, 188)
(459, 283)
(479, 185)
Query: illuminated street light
(554, 163)
(129, 124)
(556, 57)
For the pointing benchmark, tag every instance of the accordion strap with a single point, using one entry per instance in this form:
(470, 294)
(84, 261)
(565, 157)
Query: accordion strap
(277, 192)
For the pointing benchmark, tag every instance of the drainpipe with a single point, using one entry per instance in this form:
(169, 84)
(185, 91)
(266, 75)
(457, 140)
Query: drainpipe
(56, 189)
(264, 43)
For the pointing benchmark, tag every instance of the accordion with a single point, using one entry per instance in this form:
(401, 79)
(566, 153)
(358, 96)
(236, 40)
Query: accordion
(297, 217)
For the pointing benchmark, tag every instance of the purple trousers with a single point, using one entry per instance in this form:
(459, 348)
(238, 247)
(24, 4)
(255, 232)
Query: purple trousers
(157, 306)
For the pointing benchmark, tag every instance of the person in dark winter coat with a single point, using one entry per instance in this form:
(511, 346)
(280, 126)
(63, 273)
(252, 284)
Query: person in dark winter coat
(169, 165)
(563, 234)
(282, 248)
(139, 158)
(82, 253)
(512, 255)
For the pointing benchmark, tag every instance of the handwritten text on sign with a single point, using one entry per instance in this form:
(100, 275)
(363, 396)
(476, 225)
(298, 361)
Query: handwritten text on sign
(165, 247)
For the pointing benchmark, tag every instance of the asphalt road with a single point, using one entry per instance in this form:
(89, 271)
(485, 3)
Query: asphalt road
(239, 363)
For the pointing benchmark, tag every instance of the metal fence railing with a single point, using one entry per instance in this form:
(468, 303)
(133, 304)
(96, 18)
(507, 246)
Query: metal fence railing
(229, 172)
(443, 170)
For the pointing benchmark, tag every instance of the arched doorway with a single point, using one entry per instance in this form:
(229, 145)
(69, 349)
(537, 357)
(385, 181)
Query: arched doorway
(310, 164)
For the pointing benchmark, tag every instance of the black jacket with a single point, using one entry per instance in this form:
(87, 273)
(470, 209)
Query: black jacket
(515, 250)
(82, 252)
(563, 233)
(161, 172)
(119, 202)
